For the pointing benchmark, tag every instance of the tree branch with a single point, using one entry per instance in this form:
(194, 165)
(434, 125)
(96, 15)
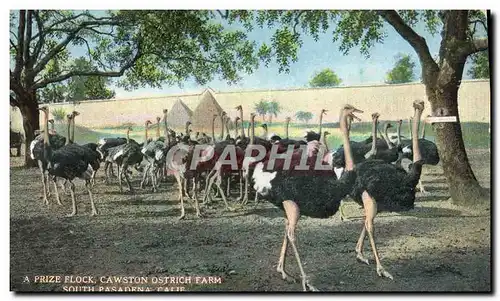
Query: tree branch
(224, 15)
(71, 36)
(416, 41)
(476, 45)
(70, 74)
(20, 45)
(49, 28)
(41, 33)
(29, 22)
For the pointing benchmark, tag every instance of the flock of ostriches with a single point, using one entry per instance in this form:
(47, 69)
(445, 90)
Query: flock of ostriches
(372, 172)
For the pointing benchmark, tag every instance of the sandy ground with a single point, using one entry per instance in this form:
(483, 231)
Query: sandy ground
(435, 247)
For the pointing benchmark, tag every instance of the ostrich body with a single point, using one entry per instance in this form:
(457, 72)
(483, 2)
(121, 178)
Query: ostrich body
(309, 195)
(311, 135)
(37, 153)
(381, 186)
(68, 163)
(127, 154)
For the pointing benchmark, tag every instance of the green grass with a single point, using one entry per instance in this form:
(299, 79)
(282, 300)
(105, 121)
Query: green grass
(475, 133)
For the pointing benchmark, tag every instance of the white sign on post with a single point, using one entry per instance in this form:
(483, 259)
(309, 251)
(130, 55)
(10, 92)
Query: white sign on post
(436, 119)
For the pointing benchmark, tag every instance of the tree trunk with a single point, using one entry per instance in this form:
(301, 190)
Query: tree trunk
(31, 122)
(463, 185)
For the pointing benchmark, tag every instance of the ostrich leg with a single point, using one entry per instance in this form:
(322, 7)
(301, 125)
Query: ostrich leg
(44, 183)
(421, 187)
(125, 173)
(88, 185)
(292, 215)
(359, 246)
(218, 182)
(181, 195)
(241, 186)
(145, 175)
(281, 262)
(371, 211)
(120, 179)
(73, 201)
(58, 199)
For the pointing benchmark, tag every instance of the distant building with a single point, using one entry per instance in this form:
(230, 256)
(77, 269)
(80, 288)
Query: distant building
(204, 112)
(179, 114)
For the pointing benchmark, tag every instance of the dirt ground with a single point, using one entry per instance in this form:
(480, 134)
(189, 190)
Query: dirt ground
(435, 247)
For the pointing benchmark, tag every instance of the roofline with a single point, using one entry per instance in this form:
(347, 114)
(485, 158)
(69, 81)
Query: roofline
(179, 95)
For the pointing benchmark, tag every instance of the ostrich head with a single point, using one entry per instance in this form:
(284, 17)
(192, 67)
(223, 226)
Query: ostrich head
(262, 179)
(388, 125)
(239, 108)
(323, 111)
(400, 122)
(375, 116)
(252, 116)
(264, 126)
(165, 111)
(418, 105)
(288, 119)
(148, 122)
(44, 109)
(326, 133)
(69, 116)
(51, 121)
(75, 113)
(215, 116)
(158, 119)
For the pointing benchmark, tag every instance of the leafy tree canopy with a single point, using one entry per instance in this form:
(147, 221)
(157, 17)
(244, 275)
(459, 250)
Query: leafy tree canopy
(325, 78)
(480, 65)
(403, 70)
(304, 116)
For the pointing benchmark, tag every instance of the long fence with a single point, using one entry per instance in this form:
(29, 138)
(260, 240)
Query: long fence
(391, 101)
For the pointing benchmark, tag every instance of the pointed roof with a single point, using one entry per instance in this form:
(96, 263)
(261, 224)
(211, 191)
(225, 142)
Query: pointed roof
(179, 114)
(204, 112)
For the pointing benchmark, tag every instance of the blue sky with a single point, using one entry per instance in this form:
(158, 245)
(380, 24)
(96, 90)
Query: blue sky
(353, 69)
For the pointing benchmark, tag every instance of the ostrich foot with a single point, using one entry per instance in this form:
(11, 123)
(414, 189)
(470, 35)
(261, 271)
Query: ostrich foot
(285, 276)
(182, 216)
(45, 200)
(71, 214)
(383, 273)
(344, 219)
(306, 285)
(200, 215)
(94, 213)
(361, 258)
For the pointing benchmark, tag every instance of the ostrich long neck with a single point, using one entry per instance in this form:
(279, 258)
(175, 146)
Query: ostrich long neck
(52, 127)
(399, 133)
(252, 125)
(325, 143)
(409, 127)
(187, 129)
(235, 128)
(320, 122)
(287, 124)
(349, 163)
(145, 132)
(374, 136)
(265, 132)
(227, 126)
(386, 136)
(242, 123)
(423, 131)
(213, 129)
(167, 135)
(128, 135)
(73, 129)
(157, 129)
(222, 127)
(414, 140)
(68, 140)
(47, 151)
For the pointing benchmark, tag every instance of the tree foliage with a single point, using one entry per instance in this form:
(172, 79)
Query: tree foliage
(325, 78)
(304, 116)
(262, 108)
(139, 48)
(480, 65)
(403, 70)
(463, 33)
(273, 109)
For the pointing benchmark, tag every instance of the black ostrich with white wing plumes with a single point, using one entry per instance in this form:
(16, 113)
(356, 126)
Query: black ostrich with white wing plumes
(311, 193)
(68, 163)
(382, 186)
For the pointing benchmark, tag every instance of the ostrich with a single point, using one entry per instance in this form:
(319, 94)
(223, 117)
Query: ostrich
(67, 163)
(287, 124)
(213, 127)
(52, 127)
(236, 119)
(148, 151)
(311, 135)
(240, 109)
(37, 153)
(264, 127)
(226, 123)
(128, 154)
(389, 155)
(428, 152)
(308, 194)
(380, 186)
(326, 133)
